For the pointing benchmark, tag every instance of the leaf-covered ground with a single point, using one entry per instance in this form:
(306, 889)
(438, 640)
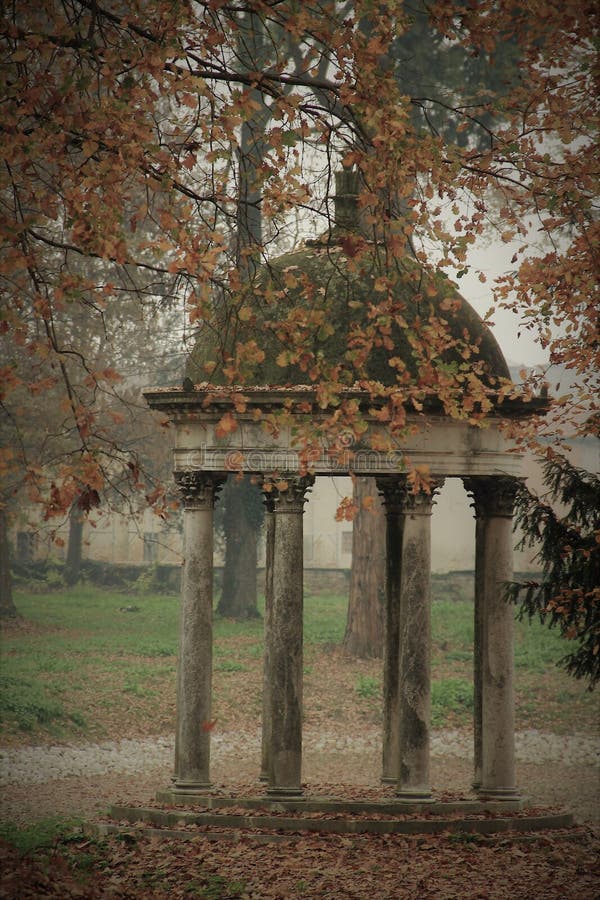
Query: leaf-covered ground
(318, 866)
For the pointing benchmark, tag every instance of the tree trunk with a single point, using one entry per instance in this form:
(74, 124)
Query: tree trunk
(7, 606)
(241, 521)
(74, 550)
(366, 606)
(243, 503)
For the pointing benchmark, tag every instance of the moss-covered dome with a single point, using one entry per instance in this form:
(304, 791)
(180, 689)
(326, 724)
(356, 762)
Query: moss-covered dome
(352, 313)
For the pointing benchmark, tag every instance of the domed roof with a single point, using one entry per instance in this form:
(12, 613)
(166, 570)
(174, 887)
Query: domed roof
(332, 291)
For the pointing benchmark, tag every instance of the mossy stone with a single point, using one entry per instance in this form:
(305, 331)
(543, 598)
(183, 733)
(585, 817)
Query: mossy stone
(337, 280)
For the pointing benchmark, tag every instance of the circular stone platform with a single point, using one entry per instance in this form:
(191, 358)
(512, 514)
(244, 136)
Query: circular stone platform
(335, 816)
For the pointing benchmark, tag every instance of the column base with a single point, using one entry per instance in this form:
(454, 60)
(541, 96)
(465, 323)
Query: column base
(285, 793)
(414, 796)
(263, 778)
(388, 779)
(191, 787)
(499, 793)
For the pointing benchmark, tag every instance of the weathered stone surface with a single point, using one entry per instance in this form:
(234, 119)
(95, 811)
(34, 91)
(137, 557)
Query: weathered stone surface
(446, 447)
(285, 652)
(342, 822)
(268, 625)
(194, 676)
(392, 490)
(415, 653)
(494, 694)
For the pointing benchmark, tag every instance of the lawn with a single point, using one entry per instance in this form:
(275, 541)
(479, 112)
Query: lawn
(88, 664)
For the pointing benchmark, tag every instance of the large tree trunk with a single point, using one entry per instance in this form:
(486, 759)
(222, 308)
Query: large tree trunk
(74, 550)
(241, 521)
(7, 606)
(366, 606)
(243, 502)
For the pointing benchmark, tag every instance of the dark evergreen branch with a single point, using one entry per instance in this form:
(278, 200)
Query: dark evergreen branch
(565, 526)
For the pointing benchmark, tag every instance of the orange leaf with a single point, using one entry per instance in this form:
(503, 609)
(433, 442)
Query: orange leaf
(226, 425)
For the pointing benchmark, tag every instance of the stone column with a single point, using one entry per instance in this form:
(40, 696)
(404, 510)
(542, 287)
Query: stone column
(266, 707)
(494, 625)
(194, 679)
(393, 490)
(474, 487)
(415, 647)
(478, 638)
(284, 653)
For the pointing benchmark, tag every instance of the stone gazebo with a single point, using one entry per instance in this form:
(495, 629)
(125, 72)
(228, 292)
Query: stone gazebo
(448, 448)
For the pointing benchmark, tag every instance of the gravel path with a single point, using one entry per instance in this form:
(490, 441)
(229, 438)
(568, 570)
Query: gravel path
(36, 765)
(84, 780)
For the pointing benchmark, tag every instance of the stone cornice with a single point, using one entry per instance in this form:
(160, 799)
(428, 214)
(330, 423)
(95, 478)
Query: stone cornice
(208, 400)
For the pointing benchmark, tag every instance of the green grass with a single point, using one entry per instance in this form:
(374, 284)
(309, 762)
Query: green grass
(87, 638)
(368, 687)
(29, 704)
(324, 619)
(451, 698)
(217, 887)
(452, 626)
(537, 648)
(40, 835)
(230, 665)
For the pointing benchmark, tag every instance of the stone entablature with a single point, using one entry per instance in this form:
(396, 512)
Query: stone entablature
(443, 446)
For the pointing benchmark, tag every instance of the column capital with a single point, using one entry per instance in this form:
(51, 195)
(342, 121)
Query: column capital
(393, 490)
(287, 493)
(398, 496)
(493, 495)
(198, 490)
(268, 498)
(268, 501)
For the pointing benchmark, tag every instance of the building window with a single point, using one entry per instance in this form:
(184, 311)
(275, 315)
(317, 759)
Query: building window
(150, 546)
(346, 542)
